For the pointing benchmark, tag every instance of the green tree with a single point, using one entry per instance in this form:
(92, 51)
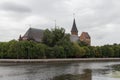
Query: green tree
(40, 51)
(87, 51)
(79, 51)
(51, 38)
(48, 37)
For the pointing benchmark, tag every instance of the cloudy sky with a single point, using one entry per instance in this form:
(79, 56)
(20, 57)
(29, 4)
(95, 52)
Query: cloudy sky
(100, 18)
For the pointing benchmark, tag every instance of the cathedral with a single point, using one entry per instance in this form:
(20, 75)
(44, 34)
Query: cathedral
(84, 37)
(37, 35)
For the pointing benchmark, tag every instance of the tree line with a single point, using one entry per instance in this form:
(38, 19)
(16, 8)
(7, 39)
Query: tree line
(55, 44)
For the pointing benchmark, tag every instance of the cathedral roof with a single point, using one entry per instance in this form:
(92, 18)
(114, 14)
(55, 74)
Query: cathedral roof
(34, 34)
(74, 28)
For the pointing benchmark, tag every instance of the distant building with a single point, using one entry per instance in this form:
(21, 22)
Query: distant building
(84, 37)
(74, 33)
(37, 35)
(33, 34)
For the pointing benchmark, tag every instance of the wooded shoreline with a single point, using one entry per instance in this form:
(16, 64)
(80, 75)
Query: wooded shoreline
(59, 60)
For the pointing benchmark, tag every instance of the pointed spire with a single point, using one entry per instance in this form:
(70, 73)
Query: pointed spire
(74, 30)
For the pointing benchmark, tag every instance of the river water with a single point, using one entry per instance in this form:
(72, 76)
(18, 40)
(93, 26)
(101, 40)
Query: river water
(60, 71)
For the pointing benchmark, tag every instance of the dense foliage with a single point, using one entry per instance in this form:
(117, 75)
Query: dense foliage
(56, 44)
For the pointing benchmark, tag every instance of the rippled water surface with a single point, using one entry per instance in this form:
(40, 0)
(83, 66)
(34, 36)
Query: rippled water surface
(60, 71)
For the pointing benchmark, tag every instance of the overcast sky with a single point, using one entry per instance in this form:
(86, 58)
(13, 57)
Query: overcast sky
(100, 18)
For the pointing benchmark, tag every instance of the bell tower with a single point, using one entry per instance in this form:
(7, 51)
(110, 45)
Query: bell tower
(74, 30)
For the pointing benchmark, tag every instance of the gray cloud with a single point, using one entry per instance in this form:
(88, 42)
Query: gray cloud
(14, 11)
(14, 7)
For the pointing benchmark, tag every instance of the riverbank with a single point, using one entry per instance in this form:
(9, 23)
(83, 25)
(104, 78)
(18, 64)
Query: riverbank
(58, 60)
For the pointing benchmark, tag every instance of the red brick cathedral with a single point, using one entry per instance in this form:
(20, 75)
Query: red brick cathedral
(84, 37)
(37, 35)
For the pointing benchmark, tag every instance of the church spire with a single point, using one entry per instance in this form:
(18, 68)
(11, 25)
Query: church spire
(74, 30)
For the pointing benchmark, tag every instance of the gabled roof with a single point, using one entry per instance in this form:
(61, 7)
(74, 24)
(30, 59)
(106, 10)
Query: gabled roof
(85, 35)
(34, 34)
(74, 28)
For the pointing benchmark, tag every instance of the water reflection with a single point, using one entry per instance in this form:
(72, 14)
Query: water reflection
(61, 71)
(85, 76)
(115, 72)
(116, 67)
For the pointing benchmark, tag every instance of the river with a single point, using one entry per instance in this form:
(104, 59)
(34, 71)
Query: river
(60, 71)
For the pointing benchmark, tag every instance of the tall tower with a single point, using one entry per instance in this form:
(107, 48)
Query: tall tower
(74, 30)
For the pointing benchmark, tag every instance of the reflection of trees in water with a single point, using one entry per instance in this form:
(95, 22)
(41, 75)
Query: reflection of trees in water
(100, 71)
(85, 76)
(47, 71)
(116, 67)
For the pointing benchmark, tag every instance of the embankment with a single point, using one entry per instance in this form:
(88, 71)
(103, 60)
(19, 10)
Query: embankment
(59, 60)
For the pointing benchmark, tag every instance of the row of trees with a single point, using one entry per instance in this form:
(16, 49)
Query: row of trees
(31, 50)
(56, 44)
